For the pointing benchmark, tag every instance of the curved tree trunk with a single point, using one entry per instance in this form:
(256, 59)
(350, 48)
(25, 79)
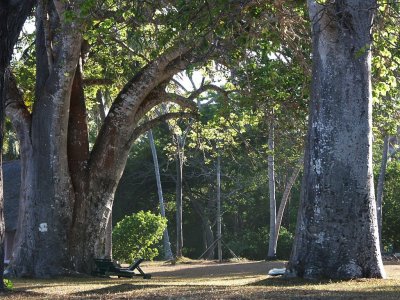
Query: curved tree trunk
(284, 200)
(337, 232)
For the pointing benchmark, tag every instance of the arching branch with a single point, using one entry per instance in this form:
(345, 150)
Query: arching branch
(159, 96)
(146, 126)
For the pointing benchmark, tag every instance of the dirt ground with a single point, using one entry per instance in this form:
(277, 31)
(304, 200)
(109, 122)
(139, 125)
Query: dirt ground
(208, 280)
(209, 270)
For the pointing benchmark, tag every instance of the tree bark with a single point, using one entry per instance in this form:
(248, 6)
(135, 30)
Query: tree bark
(337, 233)
(381, 184)
(108, 233)
(272, 197)
(167, 245)
(12, 18)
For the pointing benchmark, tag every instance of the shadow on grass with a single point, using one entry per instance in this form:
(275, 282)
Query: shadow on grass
(21, 294)
(128, 291)
(120, 288)
(298, 288)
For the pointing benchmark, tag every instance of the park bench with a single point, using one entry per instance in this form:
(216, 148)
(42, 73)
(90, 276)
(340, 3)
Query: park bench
(108, 267)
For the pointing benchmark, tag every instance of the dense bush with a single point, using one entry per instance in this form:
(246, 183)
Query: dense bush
(136, 236)
(391, 209)
(285, 243)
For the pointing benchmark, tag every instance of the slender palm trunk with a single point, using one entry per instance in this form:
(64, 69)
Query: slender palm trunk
(179, 208)
(219, 218)
(272, 196)
(167, 245)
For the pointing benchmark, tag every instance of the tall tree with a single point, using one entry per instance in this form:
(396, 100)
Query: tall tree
(64, 217)
(337, 233)
(12, 17)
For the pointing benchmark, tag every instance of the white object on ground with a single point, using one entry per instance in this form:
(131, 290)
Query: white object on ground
(277, 271)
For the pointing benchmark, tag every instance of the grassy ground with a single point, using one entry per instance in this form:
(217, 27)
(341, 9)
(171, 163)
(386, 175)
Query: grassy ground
(208, 280)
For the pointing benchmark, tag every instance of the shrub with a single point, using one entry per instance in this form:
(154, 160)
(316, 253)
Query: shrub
(8, 284)
(136, 236)
(285, 243)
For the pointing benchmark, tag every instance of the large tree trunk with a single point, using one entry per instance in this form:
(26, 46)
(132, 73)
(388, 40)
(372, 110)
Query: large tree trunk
(337, 233)
(12, 18)
(381, 184)
(272, 197)
(167, 245)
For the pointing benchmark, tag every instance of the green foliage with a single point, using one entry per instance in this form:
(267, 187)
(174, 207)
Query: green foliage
(250, 244)
(391, 208)
(136, 235)
(285, 243)
(8, 284)
(253, 244)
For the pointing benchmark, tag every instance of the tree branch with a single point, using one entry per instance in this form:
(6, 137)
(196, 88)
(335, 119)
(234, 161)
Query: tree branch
(96, 81)
(159, 96)
(59, 8)
(314, 9)
(16, 109)
(42, 11)
(146, 126)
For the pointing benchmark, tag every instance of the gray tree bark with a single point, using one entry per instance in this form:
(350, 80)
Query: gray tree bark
(108, 233)
(272, 197)
(12, 18)
(167, 245)
(381, 184)
(337, 232)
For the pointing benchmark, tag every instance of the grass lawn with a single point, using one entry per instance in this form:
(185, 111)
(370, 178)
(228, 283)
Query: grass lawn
(207, 280)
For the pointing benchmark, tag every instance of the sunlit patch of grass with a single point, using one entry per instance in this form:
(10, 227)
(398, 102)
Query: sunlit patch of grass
(221, 282)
